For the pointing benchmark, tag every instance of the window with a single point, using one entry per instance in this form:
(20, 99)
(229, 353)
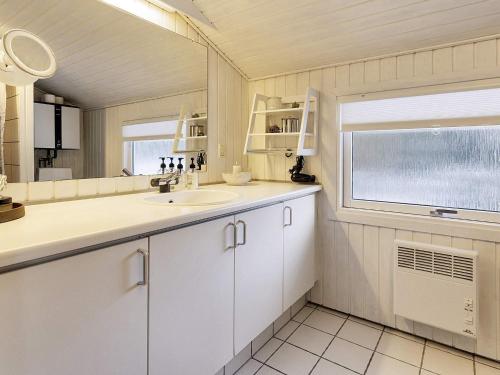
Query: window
(144, 143)
(416, 154)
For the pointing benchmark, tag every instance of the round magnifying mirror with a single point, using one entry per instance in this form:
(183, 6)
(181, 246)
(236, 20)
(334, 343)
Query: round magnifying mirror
(24, 58)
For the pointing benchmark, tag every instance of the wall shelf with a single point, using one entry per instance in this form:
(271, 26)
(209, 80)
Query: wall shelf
(303, 142)
(194, 144)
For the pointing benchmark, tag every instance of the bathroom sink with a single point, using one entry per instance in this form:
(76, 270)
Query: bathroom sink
(193, 198)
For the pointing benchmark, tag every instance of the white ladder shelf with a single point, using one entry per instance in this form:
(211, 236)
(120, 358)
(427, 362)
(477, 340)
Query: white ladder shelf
(196, 143)
(302, 142)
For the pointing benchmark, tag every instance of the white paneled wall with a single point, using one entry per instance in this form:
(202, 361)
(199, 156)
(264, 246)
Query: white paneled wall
(356, 259)
(358, 279)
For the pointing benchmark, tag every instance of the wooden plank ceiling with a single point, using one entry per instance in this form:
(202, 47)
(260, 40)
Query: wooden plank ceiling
(105, 56)
(265, 37)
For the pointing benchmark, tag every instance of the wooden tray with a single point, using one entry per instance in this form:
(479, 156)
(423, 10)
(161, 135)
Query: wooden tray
(16, 212)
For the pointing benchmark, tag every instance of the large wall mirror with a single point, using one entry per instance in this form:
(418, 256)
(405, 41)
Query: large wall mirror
(126, 93)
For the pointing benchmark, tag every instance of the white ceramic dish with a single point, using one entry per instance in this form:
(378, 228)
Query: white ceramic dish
(237, 179)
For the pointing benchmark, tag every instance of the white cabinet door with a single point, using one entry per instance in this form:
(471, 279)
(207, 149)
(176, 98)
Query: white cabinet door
(191, 299)
(70, 128)
(44, 123)
(300, 248)
(80, 315)
(258, 273)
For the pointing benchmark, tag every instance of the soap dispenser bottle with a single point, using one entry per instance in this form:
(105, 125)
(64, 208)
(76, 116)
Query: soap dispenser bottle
(171, 166)
(192, 176)
(163, 166)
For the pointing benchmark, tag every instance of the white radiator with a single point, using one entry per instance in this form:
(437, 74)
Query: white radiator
(436, 286)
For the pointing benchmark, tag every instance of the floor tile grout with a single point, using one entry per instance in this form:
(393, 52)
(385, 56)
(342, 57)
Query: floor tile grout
(349, 317)
(374, 351)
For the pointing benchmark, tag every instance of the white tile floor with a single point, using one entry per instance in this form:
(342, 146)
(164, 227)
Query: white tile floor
(320, 341)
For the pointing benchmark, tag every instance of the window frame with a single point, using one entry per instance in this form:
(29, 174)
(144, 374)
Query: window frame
(345, 161)
(128, 143)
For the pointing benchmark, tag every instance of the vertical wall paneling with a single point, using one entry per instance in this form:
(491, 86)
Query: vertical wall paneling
(356, 74)
(342, 76)
(357, 260)
(291, 89)
(329, 271)
(342, 284)
(423, 64)
(485, 54)
(463, 57)
(372, 71)
(280, 171)
(371, 271)
(314, 162)
(442, 60)
(270, 160)
(388, 69)
(404, 66)
(386, 251)
(488, 302)
(357, 276)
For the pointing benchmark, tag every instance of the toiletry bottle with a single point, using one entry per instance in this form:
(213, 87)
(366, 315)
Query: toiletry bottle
(192, 166)
(192, 177)
(180, 167)
(163, 166)
(171, 166)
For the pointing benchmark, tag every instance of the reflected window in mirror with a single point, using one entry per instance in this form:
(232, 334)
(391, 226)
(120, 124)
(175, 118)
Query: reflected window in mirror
(145, 143)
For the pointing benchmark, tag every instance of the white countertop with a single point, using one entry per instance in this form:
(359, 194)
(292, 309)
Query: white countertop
(53, 228)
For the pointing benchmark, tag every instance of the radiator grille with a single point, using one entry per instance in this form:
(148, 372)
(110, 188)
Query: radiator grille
(435, 262)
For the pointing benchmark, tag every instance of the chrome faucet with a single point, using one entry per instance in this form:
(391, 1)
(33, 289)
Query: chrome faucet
(165, 182)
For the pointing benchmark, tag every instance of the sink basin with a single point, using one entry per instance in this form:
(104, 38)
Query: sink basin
(193, 198)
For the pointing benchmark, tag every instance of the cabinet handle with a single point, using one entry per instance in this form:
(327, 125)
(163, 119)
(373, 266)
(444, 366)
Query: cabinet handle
(144, 255)
(233, 246)
(244, 232)
(290, 214)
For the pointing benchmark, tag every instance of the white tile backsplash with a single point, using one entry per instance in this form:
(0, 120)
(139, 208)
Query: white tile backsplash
(18, 192)
(65, 189)
(124, 184)
(106, 185)
(87, 187)
(40, 191)
(141, 183)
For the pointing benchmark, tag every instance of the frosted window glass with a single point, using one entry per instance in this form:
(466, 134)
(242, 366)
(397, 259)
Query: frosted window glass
(449, 167)
(464, 104)
(146, 154)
